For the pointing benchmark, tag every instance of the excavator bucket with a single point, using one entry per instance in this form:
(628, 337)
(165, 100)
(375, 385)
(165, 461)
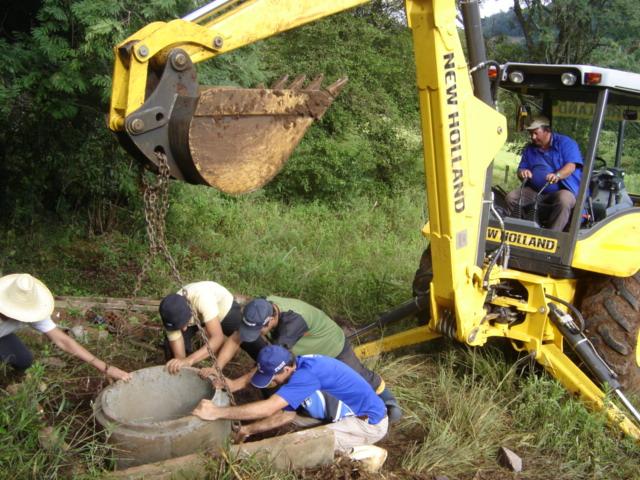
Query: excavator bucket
(240, 138)
(233, 139)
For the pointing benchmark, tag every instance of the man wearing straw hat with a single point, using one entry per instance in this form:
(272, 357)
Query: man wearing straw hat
(26, 302)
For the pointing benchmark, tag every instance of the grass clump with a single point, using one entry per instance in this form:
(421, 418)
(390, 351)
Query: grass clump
(352, 262)
(461, 405)
(564, 428)
(41, 443)
(456, 417)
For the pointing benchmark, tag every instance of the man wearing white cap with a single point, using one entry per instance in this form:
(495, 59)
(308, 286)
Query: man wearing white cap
(551, 162)
(26, 302)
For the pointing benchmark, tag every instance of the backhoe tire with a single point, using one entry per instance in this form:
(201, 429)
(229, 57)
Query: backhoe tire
(611, 308)
(422, 282)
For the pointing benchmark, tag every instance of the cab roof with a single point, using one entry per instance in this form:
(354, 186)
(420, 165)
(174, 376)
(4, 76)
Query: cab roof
(539, 79)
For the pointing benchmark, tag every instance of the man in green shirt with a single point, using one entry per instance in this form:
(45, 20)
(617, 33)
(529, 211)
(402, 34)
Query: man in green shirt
(305, 329)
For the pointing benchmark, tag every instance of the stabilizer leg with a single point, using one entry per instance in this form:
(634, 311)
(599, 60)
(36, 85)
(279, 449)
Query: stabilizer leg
(573, 379)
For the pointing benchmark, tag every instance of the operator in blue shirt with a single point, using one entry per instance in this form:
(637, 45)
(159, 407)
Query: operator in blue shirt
(554, 159)
(360, 419)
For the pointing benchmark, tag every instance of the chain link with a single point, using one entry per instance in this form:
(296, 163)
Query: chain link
(156, 205)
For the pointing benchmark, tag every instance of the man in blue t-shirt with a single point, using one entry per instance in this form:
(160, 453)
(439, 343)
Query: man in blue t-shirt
(361, 418)
(553, 162)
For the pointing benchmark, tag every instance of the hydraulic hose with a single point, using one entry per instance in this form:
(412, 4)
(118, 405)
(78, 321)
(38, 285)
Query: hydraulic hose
(589, 355)
(410, 307)
(570, 306)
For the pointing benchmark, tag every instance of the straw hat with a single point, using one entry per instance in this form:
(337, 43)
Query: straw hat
(25, 298)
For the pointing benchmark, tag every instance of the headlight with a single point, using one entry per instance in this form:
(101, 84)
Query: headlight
(516, 76)
(568, 79)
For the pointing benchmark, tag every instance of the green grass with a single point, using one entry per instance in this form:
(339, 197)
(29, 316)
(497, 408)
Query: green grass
(463, 404)
(632, 182)
(353, 261)
(73, 448)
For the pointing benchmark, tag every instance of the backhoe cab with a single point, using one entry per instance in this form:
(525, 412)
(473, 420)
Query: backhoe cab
(599, 109)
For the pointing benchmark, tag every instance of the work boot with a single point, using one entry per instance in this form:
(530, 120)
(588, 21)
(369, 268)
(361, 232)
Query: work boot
(393, 409)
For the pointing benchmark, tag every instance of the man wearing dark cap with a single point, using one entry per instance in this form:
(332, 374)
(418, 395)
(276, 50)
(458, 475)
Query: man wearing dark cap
(298, 378)
(217, 311)
(551, 161)
(305, 330)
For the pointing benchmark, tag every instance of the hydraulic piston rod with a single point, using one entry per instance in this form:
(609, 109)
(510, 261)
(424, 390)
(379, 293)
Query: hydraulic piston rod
(588, 354)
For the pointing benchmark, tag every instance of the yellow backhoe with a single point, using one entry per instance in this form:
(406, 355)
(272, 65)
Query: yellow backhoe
(483, 275)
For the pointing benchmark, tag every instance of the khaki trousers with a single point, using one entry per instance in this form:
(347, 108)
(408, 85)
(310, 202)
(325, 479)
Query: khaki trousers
(352, 431)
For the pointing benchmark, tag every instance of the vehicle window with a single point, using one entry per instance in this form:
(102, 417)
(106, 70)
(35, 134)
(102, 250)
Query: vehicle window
(574, 119)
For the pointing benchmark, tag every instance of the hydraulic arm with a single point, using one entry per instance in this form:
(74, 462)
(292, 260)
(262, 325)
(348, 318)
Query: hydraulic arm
(231, 138)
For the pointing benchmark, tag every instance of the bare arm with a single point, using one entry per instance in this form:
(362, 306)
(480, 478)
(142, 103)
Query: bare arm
(177, 348)
(229, 348)
(216, 338)
(69, 345)
(564, 172)
(206, 410)
(278, 419)
(235, 384)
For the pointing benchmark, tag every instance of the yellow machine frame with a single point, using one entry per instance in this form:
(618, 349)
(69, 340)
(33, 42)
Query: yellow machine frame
(461, 135)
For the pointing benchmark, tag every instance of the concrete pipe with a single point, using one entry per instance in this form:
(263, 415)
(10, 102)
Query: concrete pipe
(148, 419)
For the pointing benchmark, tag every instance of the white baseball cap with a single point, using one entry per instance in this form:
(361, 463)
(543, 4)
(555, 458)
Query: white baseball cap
(538, 121)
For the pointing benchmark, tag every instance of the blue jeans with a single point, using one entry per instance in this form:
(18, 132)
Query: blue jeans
(14, 352)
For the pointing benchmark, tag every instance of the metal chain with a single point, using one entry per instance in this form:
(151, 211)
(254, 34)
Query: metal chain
(156, 205)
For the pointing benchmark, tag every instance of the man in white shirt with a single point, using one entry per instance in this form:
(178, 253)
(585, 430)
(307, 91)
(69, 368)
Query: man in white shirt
(218, 313)
(26, 302)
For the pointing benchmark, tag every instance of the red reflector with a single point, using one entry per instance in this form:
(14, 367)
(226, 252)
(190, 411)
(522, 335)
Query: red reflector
(592, 78)
(492, 71)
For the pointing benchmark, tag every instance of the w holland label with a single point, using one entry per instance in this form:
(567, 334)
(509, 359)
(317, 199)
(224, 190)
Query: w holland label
(524, 240)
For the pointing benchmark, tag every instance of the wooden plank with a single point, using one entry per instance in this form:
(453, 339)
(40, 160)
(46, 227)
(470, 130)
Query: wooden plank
(108, 303)
(137, 304)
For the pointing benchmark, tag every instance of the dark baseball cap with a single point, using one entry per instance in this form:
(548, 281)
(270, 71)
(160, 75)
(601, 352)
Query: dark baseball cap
(254, 319)
(271, 361)
(174, 311)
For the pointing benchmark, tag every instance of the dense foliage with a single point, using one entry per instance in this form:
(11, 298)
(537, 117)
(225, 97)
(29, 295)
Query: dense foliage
(57, 154)
(603, 32)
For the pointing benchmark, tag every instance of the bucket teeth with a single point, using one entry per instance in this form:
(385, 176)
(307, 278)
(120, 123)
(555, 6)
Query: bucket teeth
(280, 83)
(336, 87)
(297, 82)
(315, 83)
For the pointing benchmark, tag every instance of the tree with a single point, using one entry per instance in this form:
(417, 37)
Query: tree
(561, 31)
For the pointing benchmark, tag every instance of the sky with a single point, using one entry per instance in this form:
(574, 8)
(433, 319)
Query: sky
(490, 7)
